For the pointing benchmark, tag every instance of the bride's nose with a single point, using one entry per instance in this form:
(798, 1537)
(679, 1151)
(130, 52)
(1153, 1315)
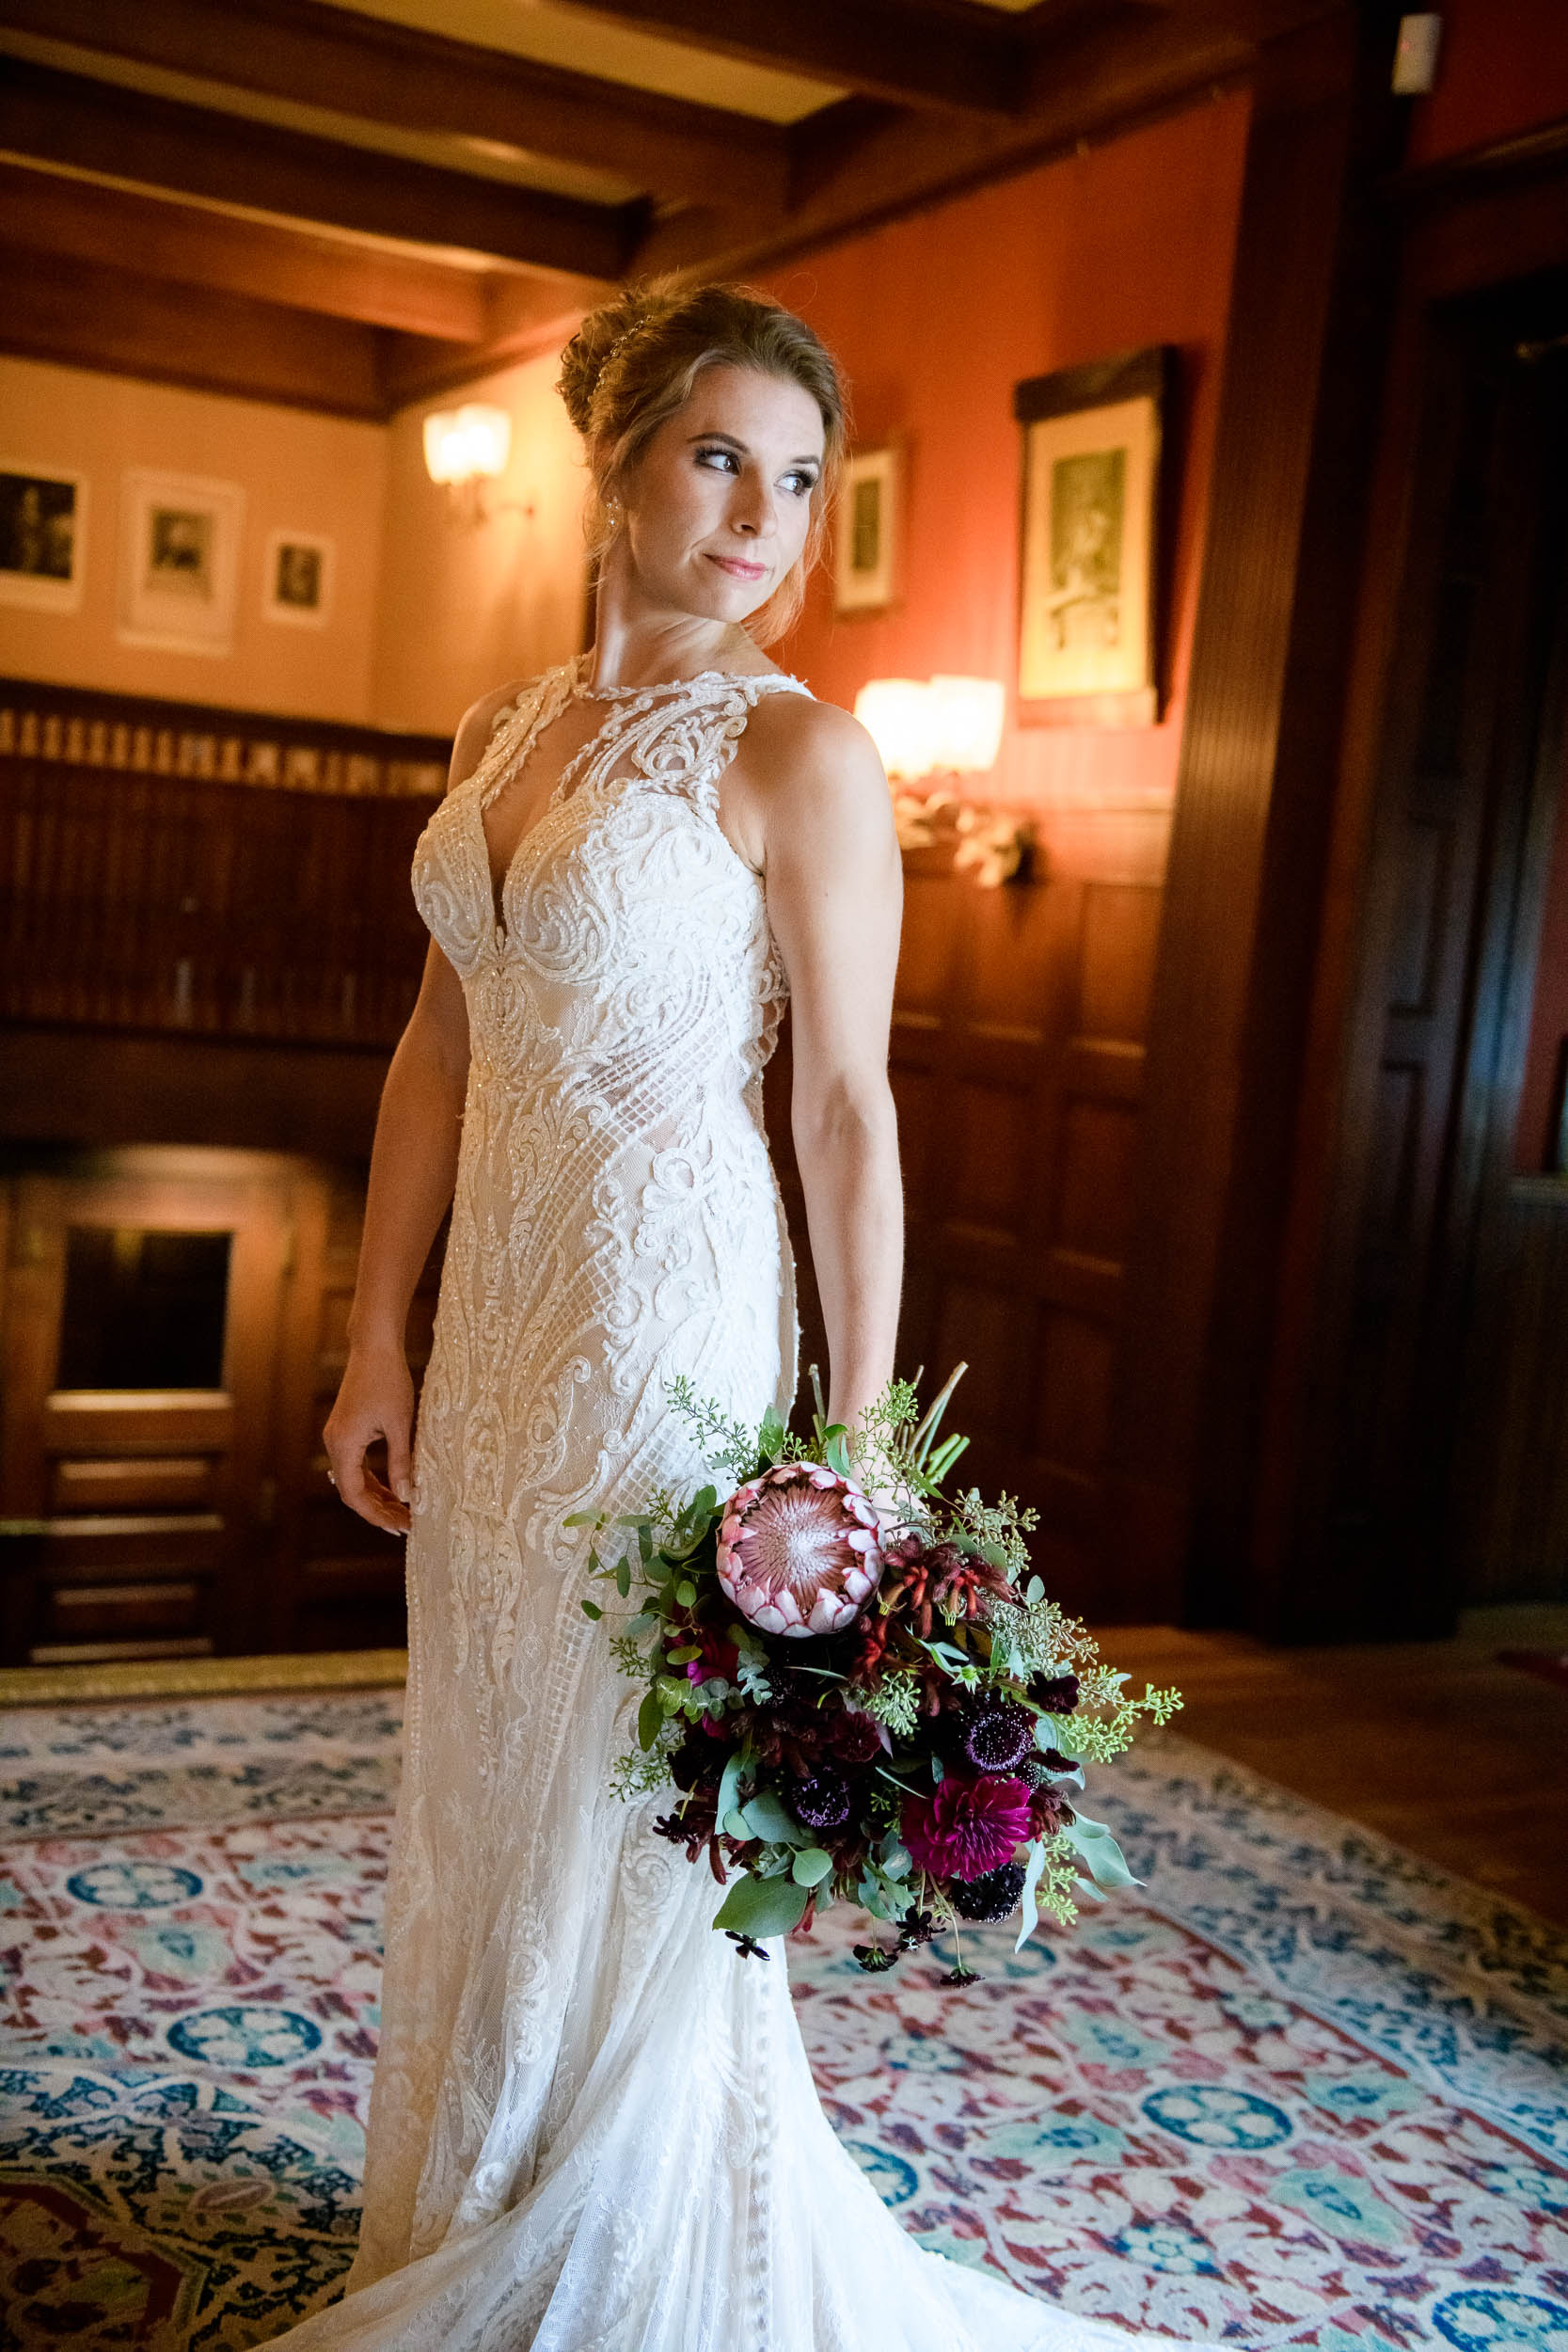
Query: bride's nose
(753, 510)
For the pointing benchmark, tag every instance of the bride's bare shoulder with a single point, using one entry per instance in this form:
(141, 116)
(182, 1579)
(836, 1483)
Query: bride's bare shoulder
(478, 723)
(797, 745)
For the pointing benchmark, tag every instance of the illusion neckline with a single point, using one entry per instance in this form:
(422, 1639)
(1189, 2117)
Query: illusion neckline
(585, 693)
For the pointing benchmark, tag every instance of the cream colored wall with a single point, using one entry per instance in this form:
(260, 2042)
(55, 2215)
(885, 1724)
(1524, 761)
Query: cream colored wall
(466, 607)
(299, 472)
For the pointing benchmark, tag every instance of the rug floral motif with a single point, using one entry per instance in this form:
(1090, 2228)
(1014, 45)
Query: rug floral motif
(1301, 2090)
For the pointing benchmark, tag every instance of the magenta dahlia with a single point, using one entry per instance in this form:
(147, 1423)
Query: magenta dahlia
(799, 1549)
(966, 1828)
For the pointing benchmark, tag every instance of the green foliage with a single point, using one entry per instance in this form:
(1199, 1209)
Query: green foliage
(759, 1907)
(895, 1702)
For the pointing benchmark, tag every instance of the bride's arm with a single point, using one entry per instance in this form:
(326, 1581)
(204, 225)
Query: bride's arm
(413, 1170)
(834, 886)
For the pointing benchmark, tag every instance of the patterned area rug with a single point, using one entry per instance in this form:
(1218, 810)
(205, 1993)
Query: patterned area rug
(1301, 2090)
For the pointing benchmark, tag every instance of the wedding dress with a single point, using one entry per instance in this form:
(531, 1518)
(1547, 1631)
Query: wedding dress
(592, 2126)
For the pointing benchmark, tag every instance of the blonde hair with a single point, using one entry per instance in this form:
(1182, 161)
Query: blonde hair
(634, 363)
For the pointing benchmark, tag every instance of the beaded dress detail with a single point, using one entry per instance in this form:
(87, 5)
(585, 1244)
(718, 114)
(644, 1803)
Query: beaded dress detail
(592, 2126)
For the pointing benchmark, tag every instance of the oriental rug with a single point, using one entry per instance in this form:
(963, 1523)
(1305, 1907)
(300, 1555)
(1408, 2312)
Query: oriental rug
(1299, 2090)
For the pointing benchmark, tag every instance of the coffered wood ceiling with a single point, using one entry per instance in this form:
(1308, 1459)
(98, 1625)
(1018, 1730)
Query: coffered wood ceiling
(351, 206)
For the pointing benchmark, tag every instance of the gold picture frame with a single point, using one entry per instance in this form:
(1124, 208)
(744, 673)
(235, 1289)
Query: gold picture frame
(866, 535)
(1091, 553)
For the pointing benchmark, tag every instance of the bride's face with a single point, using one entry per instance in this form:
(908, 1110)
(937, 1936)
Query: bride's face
(717, 506)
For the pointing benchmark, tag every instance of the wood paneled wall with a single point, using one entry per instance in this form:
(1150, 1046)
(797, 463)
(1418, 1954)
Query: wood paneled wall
(1017, 1066)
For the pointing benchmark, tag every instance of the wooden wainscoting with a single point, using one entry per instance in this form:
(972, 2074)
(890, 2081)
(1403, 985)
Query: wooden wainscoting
(1017, 1066)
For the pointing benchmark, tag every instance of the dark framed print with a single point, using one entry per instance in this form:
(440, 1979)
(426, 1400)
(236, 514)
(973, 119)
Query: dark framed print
(298, 579)
(44, 518)
(1090, 557)
(865, 552)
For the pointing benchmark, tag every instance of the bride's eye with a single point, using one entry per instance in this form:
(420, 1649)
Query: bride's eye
(800, 483)
(726, 456)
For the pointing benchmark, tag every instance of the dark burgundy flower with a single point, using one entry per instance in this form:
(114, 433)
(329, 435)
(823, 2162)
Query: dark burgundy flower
(916, 1927)
(855, 1739)
(1040, 1771)
(695, 1765)
(998, 1733)
(720, 1655)
(1048, 1812)
(991, 1898)
(1057, 1695)
(821, 1799)
(966, 1827)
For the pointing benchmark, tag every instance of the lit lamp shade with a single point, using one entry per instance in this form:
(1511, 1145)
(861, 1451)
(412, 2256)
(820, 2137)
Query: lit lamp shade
(466, 444)
(943, 725)
(895, 713)
(965, 723)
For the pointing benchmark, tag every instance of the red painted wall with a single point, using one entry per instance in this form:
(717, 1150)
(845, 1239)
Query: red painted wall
(1502, 67)
(935, 319)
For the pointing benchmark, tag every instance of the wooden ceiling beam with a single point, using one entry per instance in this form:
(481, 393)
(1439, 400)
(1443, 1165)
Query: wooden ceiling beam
(71, 120)
(88, 315)
(84, 220)
(858, 163)
(317, 56)
(930, 54)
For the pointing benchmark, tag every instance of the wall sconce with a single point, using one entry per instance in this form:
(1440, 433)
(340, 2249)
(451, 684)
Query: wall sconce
(950, 727)
(465, 449)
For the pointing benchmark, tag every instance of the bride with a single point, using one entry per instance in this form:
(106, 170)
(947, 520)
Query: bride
(593, 2127)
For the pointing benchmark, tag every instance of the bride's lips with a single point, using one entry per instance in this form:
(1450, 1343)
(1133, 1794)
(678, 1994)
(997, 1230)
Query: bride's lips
(737, 568)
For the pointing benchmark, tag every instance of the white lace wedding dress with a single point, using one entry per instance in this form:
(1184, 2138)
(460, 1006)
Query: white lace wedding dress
(593, 2127)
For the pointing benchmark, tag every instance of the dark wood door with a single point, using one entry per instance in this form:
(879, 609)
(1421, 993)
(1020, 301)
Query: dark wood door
(142, 1318)
(1473, 730)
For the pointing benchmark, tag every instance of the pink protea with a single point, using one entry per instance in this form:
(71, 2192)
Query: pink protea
(966, 1827)
(799, 1549)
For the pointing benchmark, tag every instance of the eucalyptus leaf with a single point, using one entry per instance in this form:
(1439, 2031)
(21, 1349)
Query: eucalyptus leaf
(622, 1579)
(580, 1519)
(811, 1866)
(650, 1719)
(592, 1609)
(766, 1816)
(685, 1593)
(1032, 1877)
(729, 1784)
(761, 1907)
(1099, 1849)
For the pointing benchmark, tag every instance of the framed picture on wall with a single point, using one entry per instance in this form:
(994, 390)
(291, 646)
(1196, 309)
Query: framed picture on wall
(865, 547)
(43, 529)
(178, 562)
(298, 580)
(1090, 552)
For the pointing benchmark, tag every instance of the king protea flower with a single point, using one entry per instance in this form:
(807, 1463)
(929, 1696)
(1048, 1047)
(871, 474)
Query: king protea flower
(799, 1549)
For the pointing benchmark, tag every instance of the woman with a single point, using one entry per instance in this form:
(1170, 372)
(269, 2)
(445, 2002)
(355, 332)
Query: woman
(593, 2128)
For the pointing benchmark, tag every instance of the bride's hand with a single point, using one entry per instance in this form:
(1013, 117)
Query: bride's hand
(376, 1400)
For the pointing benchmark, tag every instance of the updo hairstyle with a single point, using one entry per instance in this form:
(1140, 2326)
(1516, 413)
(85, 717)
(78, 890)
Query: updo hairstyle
(634, 363)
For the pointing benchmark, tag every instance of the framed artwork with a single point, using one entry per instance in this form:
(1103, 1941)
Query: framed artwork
(865, 553)
(1090, 553)
(44, 528)
(179, 561)
(297, 583)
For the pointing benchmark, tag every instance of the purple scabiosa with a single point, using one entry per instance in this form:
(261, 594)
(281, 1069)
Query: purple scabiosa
(994, 1897)
(998, 1732)
(821, 1799)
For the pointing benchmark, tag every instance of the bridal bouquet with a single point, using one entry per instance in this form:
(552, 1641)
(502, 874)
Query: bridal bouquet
(859, 1699)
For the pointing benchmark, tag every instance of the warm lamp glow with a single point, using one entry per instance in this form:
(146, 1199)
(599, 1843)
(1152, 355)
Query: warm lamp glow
(943, 725)
(893, 712)
(467, 444)
(966, 715)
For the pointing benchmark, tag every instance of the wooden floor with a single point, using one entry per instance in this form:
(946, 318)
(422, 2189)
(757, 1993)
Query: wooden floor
(1434, 1744)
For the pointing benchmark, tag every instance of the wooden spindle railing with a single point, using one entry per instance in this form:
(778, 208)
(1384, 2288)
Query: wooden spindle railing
(157, 872)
